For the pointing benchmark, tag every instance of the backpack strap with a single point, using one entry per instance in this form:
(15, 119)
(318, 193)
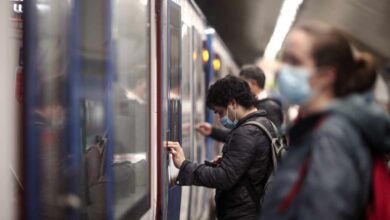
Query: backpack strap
(247, 180)
(270, 137)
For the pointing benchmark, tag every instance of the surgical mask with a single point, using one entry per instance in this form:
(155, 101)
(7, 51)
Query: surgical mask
(227, 123)
(293, 85)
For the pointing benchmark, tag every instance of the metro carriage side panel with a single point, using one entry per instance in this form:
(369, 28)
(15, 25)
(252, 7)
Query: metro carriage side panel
(90, 100)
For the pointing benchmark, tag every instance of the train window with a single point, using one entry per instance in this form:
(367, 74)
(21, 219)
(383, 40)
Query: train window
(50, 105)
(131, 109)
(187, 126)
(199, 93)
(93, 106)
(175, 71)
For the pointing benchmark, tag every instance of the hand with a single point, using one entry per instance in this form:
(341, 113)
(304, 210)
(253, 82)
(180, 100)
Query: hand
(217, 160)
(177, 152)
(204, 128)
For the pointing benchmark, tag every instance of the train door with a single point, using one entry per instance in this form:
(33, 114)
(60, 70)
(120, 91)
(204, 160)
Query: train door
(169, 114)
(87, 109)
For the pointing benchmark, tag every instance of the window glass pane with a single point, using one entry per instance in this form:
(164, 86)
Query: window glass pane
(199, 94)
(174, 74)
(50, 112)
(93, 102)
(186, 93)
(131, 108)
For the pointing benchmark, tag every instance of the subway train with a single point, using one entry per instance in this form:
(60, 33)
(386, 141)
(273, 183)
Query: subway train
(101, 84)
(92, 88)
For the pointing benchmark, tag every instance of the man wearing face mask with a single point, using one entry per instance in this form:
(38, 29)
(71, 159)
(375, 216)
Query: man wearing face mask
(246, 162)
(255, 77)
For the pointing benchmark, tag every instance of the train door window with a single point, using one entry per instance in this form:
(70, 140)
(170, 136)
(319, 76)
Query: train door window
(174, 96)
(187, 126)
(93, 106)
(131, 108)
(46, 109)
(199, 93)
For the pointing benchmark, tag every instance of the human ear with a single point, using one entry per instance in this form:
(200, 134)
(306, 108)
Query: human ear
(329, 76)
(234, 104)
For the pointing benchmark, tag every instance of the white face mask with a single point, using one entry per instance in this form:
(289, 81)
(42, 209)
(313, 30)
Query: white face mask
(293, 84)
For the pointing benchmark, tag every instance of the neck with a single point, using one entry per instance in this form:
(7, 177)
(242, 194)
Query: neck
(318, 104)
(242, 112)
(257, 91)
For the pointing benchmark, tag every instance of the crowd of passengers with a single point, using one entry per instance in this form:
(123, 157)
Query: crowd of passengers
(333, 145)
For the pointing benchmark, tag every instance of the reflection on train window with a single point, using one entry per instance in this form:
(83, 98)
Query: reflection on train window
(174, 73)
(199, 93)
(93, 105)
(187, 128)
(50, 110)
(131, 104)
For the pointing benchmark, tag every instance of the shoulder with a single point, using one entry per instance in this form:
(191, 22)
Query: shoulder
(252, 132)
(338, 135)
(250, 127)
(337, 127)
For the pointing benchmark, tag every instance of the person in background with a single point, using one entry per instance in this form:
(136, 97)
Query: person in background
(243, 170)
(255, 78)
(326, 173)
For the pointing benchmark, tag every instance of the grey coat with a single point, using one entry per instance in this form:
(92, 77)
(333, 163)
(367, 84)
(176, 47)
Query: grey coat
(336, 146)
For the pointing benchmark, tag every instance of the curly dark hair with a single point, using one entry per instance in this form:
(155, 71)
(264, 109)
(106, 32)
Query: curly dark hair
(228, 89)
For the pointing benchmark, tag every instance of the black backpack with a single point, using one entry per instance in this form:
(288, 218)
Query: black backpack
(278, 149)
(278, 141)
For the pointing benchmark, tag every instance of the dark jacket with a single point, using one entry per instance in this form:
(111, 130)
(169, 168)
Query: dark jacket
(335, 147)
(246, 165)
(273, 108)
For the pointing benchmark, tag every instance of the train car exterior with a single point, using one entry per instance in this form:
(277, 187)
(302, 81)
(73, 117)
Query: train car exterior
(106, 83)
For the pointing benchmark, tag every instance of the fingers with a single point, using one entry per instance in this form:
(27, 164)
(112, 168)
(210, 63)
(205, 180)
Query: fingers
(204, 128)
(202, 125)
(173, 147)
(199, 127)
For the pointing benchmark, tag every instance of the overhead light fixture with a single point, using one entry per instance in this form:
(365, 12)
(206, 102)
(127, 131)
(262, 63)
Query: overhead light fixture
(285, 20)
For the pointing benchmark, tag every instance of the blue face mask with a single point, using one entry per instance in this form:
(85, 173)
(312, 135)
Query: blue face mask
(293, 85)
(227, 123)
